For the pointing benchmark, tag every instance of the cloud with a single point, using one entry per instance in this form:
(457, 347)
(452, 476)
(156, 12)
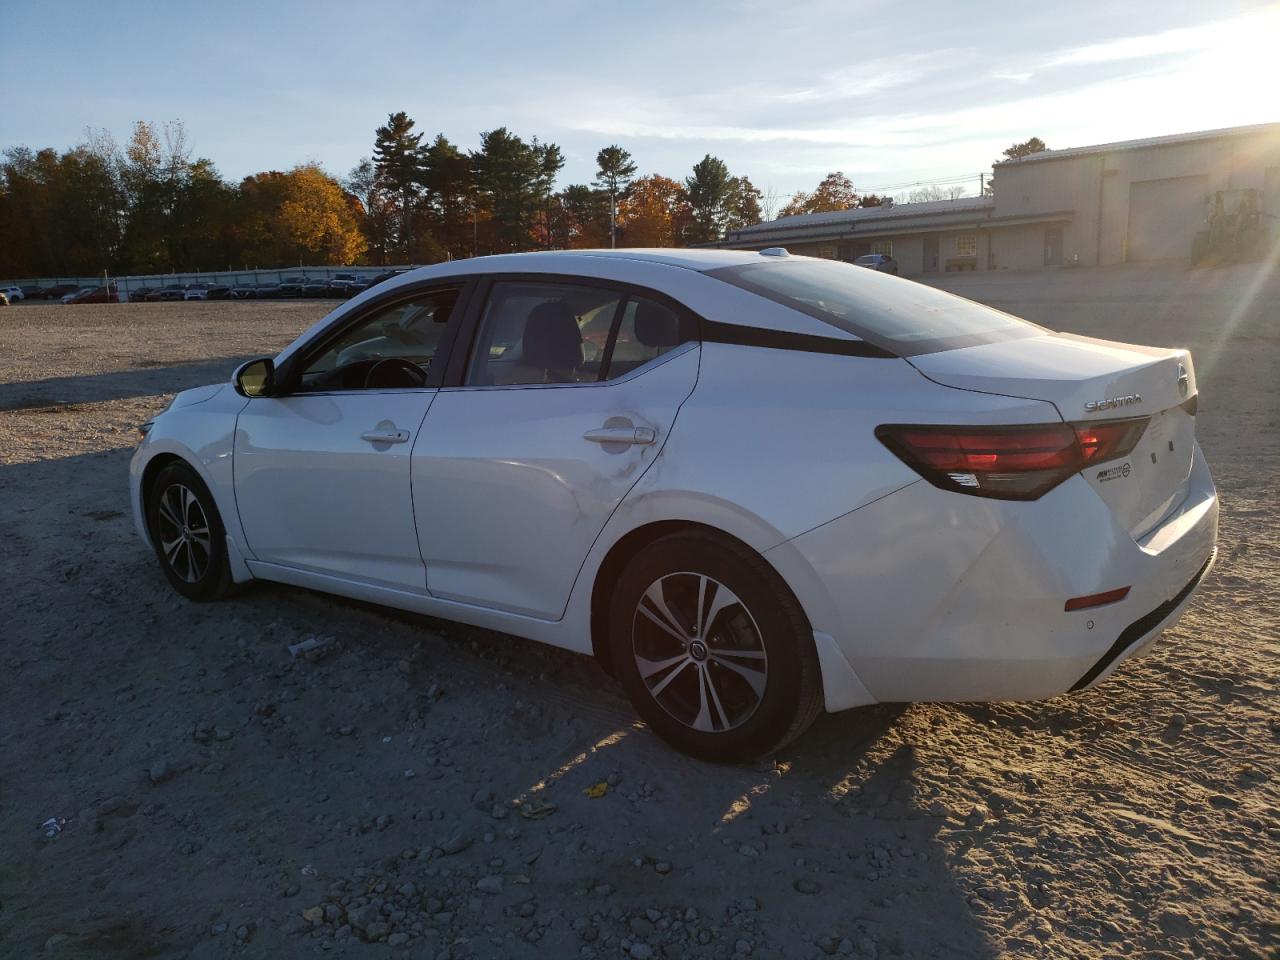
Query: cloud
(1181, 40)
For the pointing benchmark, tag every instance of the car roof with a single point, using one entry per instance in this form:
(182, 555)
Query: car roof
(551, 260)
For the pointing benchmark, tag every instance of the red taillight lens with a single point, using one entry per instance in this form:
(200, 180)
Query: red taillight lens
(1020, 462)
(1108, 439)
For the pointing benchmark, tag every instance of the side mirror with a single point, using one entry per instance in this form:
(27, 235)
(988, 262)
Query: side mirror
(255, 378)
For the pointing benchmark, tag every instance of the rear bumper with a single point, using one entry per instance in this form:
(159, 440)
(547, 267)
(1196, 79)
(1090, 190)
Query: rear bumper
(932, 595)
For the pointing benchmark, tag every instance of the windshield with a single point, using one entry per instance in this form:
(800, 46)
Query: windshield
(901, 316)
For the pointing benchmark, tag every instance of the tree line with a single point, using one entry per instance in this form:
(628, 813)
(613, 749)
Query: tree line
(152, 207)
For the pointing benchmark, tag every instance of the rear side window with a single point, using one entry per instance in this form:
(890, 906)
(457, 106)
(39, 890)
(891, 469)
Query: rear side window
(646, 331)
(534, 332)
(903, 317)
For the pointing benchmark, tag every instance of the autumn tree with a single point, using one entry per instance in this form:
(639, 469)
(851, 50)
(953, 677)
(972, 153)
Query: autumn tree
(834, 193)
(377, 210)
(614, 170)
(654, 213)
(318, 218)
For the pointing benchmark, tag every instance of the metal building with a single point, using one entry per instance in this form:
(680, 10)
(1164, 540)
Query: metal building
(1191, 195)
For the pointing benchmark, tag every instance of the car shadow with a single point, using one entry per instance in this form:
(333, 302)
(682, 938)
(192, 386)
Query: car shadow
(827, 848)
(140, 381)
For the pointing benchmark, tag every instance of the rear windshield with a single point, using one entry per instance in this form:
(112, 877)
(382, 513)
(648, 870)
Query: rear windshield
(903, 317)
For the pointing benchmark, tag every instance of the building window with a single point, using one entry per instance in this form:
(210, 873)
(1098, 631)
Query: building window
(967, 245)
(827, 252)
(882, 246)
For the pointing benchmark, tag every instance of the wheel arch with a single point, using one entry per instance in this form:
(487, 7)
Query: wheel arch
(148, 479)
(620, 554)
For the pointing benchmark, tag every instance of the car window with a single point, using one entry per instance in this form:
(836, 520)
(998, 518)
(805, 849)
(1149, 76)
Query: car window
(902, 317)
(410, 330)
(647, 330)
(543, 333)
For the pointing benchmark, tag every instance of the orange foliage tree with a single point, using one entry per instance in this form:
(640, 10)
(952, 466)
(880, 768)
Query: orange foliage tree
(654, 212)
(835, 192)
(319, 218)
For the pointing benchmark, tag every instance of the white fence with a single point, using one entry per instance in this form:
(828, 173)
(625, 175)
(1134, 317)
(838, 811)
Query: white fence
(230, 278)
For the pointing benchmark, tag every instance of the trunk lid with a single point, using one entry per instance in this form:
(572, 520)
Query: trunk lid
(1092, 380)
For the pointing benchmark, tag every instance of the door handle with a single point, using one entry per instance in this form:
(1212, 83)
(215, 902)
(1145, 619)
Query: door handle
(389, 436)
(627, 435)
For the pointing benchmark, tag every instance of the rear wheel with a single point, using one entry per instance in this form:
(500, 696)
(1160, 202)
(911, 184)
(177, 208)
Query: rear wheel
(187, 534)
(713, 649)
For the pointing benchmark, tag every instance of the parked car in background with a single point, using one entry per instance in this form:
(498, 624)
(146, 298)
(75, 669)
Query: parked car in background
(31, 291)
(292, 286)
(107, 294)
(58, 291)
(380, 278)
(983, 509)
(244, 291)
(346, 285)
(14, 293)
(316, 287)
(268, 291)
(196, 291)
(139, 295)
(169, 293)
(878, 261)
(218, 291)
(68, 297)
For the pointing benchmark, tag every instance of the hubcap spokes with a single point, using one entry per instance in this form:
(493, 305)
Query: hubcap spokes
(184, 533)
(699, 652)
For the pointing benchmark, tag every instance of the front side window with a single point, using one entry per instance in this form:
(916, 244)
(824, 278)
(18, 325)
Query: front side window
(558, 333)
(392, 347)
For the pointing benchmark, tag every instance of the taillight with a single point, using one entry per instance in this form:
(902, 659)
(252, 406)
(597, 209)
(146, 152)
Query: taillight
(1019, 462)
(1105, 440)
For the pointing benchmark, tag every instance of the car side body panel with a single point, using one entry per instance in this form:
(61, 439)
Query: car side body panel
(198, 427)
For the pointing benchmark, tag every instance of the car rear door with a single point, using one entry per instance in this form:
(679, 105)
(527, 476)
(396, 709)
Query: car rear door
(568, 395)
(322, 472)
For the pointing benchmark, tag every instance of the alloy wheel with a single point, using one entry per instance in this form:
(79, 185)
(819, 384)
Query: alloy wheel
(699, 652)
(184, 534)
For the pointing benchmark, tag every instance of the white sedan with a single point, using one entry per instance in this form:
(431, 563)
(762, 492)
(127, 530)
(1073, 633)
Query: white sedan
(753, 485)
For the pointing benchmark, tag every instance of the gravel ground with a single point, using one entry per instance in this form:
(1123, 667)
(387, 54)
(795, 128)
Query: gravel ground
(420, 789)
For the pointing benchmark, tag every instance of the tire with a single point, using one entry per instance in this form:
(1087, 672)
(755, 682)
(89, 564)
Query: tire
(744, 684)
(181, 514)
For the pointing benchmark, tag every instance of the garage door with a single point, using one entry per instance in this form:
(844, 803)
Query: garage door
(1164, 216)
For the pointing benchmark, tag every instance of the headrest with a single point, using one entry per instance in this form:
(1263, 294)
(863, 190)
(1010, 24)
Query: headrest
(656, 326)
(552, 340)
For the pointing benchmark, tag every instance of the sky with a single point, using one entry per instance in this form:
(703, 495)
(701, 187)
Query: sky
(784, 91)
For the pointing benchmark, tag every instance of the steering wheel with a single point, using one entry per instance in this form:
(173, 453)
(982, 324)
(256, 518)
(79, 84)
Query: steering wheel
(393, 372)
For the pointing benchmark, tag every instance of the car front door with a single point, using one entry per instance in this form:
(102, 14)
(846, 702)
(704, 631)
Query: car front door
(568, 396)
(322, 469)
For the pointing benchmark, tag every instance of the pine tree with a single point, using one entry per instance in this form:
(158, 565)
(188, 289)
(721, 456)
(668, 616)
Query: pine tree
(615, 170)
(399, 161)
(709, 189)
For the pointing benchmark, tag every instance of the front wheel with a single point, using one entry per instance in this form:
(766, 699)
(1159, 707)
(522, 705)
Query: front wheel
(713, 649)
(187, 534)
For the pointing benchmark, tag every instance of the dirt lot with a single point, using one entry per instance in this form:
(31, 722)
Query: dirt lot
(421, 785)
